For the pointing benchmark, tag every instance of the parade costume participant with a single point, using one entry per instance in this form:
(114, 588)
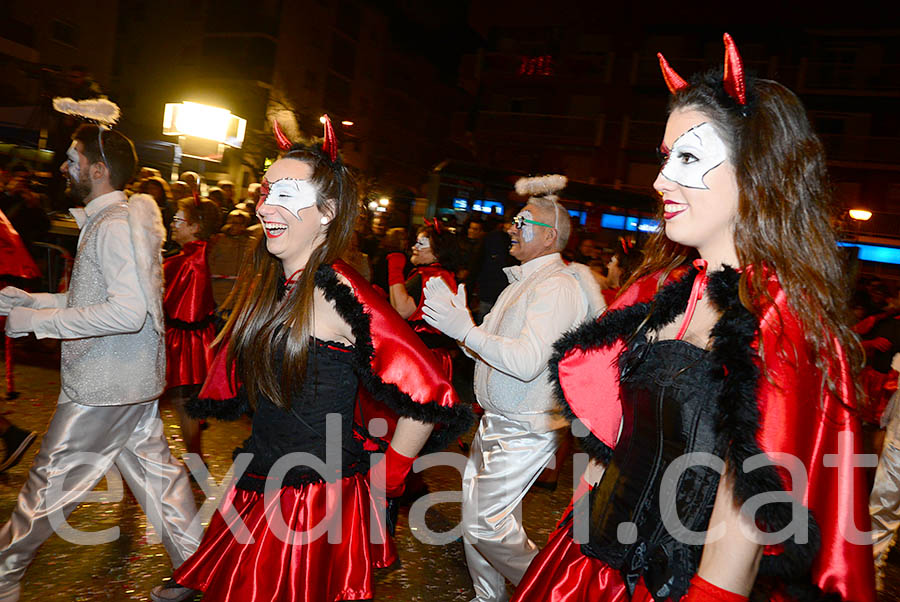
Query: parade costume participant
(16, 266)
(189, 309)
(519, 431)
(112, 365)
(745, 354)
(435, 255)
(305, 332)
(884, 501)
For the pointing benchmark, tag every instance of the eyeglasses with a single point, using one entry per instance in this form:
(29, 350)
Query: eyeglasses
(519, 222)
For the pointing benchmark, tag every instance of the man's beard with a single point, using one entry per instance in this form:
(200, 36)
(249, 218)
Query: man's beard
(78, 190)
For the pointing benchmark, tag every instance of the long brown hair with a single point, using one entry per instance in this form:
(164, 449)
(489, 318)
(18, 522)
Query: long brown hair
(783, 224)
(264, 321)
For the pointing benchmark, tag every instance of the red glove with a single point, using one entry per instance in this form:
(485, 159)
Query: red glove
(397, 466)
(879, 344)
(702, 590)
(866, 324)
(396, 262)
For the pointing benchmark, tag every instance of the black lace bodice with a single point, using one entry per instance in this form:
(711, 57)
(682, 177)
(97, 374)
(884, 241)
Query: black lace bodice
(329, 388)
(670, 406)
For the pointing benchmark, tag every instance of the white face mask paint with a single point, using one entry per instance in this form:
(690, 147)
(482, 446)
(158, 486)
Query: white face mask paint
(422, 243)
(73, 164)
(694, 154)
(527, 229)
(292, 194)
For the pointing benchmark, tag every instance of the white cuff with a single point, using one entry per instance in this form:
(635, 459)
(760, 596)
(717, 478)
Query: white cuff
(475, 339)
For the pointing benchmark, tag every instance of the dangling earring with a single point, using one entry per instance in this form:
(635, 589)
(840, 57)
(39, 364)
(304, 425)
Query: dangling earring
(323, 220)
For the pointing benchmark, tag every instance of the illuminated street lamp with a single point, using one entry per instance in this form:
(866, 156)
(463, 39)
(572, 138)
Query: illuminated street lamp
(203, 131)
(862, 215)
(347, 123)
(384, 202)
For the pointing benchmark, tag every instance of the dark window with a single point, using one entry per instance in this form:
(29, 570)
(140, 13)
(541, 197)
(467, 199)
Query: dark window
(16, 31)
(337, 93)
(349, 19)
(64, 33)
(343, 55)
(239, 57)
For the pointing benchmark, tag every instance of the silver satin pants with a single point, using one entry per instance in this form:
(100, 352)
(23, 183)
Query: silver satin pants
(505, 459)
(81, 445)
(884, 503)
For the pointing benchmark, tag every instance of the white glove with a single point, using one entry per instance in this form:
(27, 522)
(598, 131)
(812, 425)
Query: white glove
(447, 312)
(11, 297)
(19, 322)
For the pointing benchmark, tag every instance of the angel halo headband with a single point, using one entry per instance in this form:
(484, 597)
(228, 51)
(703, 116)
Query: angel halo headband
(733, 80)
(101, 111)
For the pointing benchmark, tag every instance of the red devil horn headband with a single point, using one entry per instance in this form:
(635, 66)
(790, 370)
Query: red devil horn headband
(733, 79)
(734, 72)
(329, 146)
(330, 143)
(673, 81)
(283, 141)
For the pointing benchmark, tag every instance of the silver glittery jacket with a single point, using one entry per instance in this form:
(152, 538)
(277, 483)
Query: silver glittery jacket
(111, 320)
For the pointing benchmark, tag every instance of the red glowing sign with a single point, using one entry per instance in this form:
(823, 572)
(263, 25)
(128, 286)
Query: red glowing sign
(536, 65)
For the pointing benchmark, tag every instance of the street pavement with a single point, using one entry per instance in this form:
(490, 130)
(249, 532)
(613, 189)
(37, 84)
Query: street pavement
(127, 568)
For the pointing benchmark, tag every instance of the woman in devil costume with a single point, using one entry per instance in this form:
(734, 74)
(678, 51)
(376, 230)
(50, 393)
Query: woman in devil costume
(435, 255)
(305, 332)
(731, 344)
(189, 307)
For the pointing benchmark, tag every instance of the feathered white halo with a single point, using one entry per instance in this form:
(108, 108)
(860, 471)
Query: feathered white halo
(540, 185)
(100, 110)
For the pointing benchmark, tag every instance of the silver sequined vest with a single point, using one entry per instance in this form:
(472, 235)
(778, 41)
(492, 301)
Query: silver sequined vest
(110, 370)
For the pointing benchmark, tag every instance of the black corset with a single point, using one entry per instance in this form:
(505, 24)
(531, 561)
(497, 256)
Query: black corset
(670, 397)
(330, 387)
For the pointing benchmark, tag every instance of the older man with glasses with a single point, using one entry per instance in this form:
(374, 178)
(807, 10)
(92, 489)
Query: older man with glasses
(520, 429)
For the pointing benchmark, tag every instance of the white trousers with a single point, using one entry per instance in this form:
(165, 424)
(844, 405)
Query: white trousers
(81, 445)
(884, 502)
(505, 460)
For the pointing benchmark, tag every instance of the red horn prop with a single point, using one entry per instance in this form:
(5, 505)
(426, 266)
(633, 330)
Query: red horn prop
(673, 81)
(734, 72)
(330, 143)
(283, 141)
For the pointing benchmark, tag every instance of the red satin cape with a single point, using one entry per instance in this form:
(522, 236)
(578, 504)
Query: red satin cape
(15, 260)
(400, 358)
(188, 298)
(271, 570)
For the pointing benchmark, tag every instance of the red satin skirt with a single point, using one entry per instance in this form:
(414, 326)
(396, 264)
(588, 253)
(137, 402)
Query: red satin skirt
(268, 569)
(561, 573)
(188, 355)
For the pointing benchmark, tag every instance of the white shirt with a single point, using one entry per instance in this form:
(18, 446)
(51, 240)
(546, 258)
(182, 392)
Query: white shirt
(125, 308)
(515, 341)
